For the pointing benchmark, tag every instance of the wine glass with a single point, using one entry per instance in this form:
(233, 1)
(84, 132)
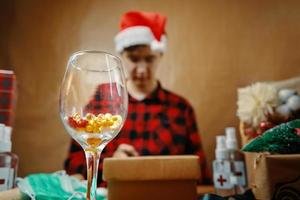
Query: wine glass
(93, 105)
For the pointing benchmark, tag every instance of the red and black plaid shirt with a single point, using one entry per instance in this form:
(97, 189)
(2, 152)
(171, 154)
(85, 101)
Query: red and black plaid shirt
(161, 124)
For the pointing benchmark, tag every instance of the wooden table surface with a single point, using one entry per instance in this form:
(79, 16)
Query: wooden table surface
(14, 194)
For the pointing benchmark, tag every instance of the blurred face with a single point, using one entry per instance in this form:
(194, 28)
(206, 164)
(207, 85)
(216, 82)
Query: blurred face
(141, 64)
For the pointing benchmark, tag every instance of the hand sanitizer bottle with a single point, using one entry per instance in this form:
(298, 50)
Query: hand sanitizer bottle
(238, 177)
(8, 160)
(222, 169)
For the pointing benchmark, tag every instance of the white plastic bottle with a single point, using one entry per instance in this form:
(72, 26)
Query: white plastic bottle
(222, 169)
(8, 160)
(238, 177)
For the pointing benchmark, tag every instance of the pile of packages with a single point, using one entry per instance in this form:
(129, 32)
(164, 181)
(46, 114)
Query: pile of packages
(283, 139)
(270, 131)
(262, 106)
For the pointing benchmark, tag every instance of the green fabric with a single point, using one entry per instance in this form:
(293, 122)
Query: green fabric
(281, 139)
(56, 186)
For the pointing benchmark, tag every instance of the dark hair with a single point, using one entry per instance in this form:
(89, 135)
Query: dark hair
(134, 47)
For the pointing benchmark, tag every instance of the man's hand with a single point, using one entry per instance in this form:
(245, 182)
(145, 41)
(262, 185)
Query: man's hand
(125, 150)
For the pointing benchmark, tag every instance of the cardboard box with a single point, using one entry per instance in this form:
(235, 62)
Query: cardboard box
(152, 177)
(274, 176)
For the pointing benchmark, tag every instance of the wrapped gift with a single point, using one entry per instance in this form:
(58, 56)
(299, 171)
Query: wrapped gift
(274, 176)
(267, 113)
(7, 96)
(264, 105)
(152, 177)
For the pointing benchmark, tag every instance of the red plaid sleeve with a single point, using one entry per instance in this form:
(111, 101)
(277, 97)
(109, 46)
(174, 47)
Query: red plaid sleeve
(194, 144)
(75, 162)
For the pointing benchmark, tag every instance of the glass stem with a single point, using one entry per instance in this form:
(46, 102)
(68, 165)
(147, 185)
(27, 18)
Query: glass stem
(92, 161)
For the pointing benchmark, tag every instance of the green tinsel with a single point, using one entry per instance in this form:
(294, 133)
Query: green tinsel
(281, 139)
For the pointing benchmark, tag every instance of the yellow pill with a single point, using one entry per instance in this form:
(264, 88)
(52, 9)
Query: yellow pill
(100, 116)
(98, 123)
(114, 126)
(117, 123)
(110, 123)
(94, 142)
(95, 124)
(89, 128)
(117, 118)
(90, 116)
(104, 122)
(95, 130)
(92, 122)
(107, 116)
(114, 118)
(76, 115)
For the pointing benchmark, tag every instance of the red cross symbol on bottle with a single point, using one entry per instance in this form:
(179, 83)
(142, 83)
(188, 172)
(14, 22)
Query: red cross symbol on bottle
(239, 173)
(221, 180)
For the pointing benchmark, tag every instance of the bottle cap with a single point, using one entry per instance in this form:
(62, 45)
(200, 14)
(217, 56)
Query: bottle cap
(231, 141)
(221, 150)
(5, 138)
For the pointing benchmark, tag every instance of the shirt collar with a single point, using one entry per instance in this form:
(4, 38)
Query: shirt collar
(157, 96)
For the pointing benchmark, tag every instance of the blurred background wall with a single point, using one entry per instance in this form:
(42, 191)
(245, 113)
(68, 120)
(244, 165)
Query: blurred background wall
(214, 48)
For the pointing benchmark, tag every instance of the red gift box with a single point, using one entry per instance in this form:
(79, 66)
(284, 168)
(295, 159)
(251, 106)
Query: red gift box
(7, 96)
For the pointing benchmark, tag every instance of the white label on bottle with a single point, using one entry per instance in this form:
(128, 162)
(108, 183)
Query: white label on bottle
(240, 173)
(4, 178)
(222, 175)
(11, 178)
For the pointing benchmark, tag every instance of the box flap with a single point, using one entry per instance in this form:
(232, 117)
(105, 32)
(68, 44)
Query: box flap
(152, 168)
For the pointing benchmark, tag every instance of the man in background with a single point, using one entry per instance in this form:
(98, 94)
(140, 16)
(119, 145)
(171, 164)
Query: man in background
(159, 122)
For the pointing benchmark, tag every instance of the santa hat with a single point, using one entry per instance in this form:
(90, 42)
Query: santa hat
(142, 28)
